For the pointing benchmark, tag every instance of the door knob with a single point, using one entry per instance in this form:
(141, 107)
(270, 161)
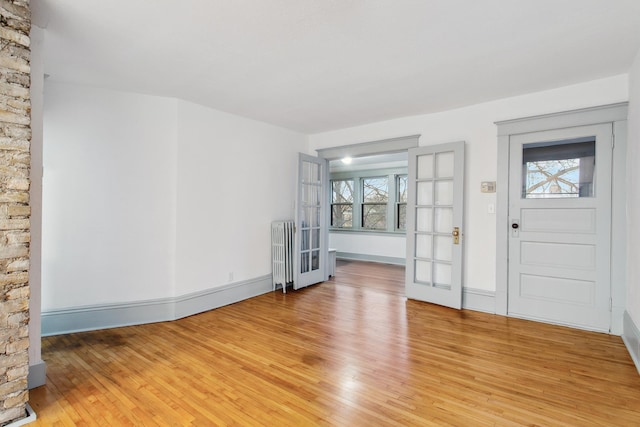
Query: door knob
(456, 235)
(515, 228)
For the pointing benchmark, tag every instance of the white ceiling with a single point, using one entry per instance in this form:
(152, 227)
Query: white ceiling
(317, 65)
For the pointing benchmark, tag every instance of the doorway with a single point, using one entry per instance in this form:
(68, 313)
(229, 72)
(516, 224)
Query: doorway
(559, 249)
(560, 215)
(378, 233)
(430, 214)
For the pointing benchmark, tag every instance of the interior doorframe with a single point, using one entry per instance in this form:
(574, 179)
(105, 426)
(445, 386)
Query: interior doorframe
(382, 146)
(613, 113)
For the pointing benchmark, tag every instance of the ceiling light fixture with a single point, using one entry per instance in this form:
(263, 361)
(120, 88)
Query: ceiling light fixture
(346, 160)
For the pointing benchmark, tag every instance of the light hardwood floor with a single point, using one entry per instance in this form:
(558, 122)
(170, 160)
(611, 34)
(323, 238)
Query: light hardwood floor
(348, 352)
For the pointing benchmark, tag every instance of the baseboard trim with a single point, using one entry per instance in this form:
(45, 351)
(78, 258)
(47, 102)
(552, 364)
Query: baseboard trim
(479, 300)
(370, 258)
(90, 318)
(37, 375)
(198, 302)
(631, 339)
(29, 417)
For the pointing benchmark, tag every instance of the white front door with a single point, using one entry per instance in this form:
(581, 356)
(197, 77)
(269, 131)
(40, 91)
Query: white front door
(560, 226)
(434, 224)
(311, 224)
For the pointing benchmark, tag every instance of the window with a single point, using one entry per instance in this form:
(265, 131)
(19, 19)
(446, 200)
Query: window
(375, 195)
(401, 202)
(342, 203)
(369, 200)
(559, 169)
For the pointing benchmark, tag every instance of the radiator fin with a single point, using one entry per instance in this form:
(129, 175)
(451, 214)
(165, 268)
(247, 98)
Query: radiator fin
(282, 247)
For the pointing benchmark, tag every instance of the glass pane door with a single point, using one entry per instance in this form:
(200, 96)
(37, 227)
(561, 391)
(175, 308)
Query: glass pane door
(434, 223)
(310, 221)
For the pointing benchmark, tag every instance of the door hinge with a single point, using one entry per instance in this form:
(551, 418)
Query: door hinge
(610, 304)
(613, 140)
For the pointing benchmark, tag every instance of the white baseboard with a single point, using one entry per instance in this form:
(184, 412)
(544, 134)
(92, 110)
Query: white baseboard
(90, 318)
(631, 338)
(37, 375)
(479, 300)
(198, 302)
(370, 258)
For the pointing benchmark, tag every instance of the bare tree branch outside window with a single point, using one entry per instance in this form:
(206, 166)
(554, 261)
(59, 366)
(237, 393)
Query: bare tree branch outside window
(342, 204)
(553, 178)
(374, 207)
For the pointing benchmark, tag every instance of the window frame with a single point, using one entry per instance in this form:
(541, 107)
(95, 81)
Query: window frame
(358, 177)
(364, 204)
(332, 203)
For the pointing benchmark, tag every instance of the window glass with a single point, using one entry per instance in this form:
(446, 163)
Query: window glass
(342, 191)
(402, 188)
(402, 216)
(559, 169)
(375, 190)
(342, 216)
(374, 216)
(401, 199)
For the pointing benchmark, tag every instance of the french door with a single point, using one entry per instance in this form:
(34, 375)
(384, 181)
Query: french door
(311, 250)
(434, 224)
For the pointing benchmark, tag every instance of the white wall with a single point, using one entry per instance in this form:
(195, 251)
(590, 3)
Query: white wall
(235, 176)
(108, 197)
(633, 194)
(149, 198)
(394, 246)
(475, 125)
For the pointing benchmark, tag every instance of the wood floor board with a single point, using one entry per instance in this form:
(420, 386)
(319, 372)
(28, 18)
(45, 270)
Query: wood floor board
(348, 352)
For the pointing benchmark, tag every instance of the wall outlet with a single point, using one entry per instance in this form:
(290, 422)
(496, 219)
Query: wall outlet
(231, 276)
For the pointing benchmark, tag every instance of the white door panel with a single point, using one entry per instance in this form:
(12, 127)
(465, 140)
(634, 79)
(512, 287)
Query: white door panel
(434, 215)
(558, 220)
(557, 289)
(560, 255)
(559, 214)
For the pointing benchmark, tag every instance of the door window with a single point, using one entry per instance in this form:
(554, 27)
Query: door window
(559, 169)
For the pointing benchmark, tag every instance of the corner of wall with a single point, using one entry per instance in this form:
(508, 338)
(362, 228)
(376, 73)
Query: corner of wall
(631, 338)
(632, 303)
(37, 367)
(15, 208)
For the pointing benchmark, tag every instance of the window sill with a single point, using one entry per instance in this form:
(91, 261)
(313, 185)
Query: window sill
(368, 232)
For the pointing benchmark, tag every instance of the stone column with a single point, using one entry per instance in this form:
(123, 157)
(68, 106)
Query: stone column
(15, 136)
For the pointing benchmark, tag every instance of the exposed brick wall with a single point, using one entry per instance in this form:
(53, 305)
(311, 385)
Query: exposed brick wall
(15, 136)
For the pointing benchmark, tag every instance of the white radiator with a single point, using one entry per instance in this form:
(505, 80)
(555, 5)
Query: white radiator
(282, 235)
